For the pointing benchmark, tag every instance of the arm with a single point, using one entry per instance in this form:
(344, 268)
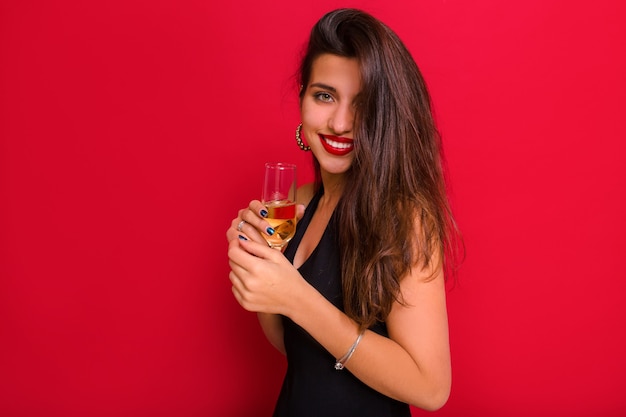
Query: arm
(412, 365)
(271, 324)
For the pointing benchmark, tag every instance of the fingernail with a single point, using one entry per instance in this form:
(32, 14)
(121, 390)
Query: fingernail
(270, 231)
(264, 213)
(243, 237)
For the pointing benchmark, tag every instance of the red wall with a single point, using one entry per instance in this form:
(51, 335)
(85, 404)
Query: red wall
(131, 132)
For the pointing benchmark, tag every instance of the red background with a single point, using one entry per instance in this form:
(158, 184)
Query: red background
(131, 132)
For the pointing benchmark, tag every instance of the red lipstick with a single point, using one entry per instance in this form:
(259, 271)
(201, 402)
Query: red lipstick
(337, 145)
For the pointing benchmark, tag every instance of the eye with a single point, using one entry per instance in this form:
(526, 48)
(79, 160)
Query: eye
(324, 97)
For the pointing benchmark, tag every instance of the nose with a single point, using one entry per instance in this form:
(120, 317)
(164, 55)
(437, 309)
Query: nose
(342, 119)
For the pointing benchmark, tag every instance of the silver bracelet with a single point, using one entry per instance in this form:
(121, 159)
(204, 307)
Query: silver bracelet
(341, 362)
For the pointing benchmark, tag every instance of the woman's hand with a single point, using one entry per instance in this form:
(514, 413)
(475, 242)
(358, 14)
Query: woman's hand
(251, 224)
(264, 281)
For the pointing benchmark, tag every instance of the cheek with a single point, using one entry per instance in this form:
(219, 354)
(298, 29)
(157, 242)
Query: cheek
(311, 115)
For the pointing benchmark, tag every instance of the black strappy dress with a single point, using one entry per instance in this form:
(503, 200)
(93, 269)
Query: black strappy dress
(312, 387)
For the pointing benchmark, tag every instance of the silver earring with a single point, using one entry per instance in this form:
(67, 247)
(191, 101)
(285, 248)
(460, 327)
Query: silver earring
(299, 140)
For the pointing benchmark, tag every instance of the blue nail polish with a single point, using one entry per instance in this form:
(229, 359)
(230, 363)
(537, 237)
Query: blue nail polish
(264, 213)
(270, 231)
(243, 237)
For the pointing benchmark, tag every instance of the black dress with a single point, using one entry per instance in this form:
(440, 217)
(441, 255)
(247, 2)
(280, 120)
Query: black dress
(312, 387)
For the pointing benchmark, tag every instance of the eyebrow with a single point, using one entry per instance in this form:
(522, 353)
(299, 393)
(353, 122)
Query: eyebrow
(324, 87)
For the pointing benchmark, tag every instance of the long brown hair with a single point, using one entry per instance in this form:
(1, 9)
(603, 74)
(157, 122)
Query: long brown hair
(397, 177)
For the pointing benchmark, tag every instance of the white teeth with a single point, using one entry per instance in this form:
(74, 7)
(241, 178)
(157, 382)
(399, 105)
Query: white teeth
(338, 145)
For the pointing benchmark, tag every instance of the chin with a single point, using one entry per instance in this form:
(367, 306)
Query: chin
(336, 168)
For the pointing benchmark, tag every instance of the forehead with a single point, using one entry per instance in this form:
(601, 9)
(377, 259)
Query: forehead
(343, 74)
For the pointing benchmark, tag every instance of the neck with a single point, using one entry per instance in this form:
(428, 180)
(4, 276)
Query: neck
(333, 189)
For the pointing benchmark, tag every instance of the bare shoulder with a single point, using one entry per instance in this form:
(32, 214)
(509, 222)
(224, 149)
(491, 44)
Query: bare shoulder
(306, 193)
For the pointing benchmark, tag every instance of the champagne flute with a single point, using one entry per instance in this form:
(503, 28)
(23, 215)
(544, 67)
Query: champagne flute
(279, 197)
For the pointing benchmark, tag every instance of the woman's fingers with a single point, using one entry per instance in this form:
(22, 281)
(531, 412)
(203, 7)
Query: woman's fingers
(246, 229)
(258, 208)
(247, 286)
(260, 276)
(251, 224)
(256, 215)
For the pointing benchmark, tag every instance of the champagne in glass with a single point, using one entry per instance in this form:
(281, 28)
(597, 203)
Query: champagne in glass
(279, 197)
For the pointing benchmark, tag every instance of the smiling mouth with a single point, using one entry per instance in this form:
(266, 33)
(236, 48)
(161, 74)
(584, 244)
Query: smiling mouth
(337, 145)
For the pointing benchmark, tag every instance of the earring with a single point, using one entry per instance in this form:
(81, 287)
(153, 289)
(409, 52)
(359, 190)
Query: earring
(299, 140)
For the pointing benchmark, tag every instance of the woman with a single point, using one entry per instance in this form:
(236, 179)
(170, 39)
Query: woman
(361, 285)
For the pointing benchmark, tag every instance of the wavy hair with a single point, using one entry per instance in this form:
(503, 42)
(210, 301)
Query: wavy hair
(397, 176)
